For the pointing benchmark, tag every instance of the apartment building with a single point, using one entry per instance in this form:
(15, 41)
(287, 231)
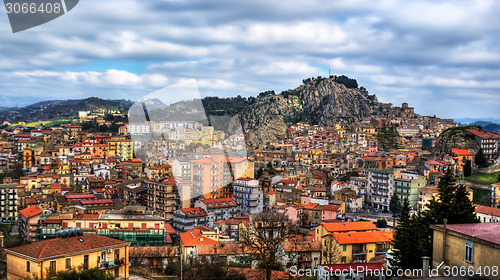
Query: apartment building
(407, 186)
(8, 202)
(249, 196)
(218, 209)
(380, 189)
(188, 218)
(163, 198)
(487, 141)
(29, 222)
(123, 148)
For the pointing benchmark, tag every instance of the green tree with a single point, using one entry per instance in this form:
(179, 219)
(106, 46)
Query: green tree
(452, 204)
(412, 239)
(467, 168)
(403, 239)
(480, 160)
(381, 223)
(259, 173)
(395, 205)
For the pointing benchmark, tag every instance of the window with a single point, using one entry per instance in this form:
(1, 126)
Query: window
(52, 268)
(28, 266)
(68, 263)
(345, 248)
(86, 262)
(469, 252)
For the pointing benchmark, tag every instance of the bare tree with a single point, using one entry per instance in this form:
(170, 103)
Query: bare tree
(330, 250)
(265, 235)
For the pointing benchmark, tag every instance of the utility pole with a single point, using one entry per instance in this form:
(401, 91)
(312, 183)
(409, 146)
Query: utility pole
(181, 265)
(444, 240)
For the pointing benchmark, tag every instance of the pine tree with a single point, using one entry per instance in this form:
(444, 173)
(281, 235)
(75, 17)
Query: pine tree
(453, 203)
(403, 240)
(480, 160)
(395, 205)
(412, 239)
(463, 210)
(467, 168)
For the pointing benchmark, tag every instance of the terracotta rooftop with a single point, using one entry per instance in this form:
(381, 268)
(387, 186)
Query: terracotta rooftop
(363, 237)
(59, 247)
(194, 237)
(31, 211)
(350, 226)
(461, 152)
(491, 211)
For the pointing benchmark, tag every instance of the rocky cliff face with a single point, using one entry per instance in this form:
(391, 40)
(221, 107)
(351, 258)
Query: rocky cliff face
(454, 138)
(320, 101)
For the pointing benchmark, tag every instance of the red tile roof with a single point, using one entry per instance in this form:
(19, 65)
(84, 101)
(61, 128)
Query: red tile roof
(60, 247)
(482, 134)
(194, 237)
(310, 206)
(331, 207)
(31, 211)
(169, 228)
(363, 237)
(219, 202)
(194, 212)
(491, 211)
(79, 196)
(461, 152)
(349, 226)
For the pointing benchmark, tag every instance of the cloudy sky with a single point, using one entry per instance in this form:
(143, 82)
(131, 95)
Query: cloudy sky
(443, 57)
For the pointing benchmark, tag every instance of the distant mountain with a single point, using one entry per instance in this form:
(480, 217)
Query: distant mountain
(470, 121)
(60, 109)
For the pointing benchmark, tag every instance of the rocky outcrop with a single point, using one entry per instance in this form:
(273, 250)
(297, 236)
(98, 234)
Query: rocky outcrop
(273, 129)
(454, 138)
(320, 101)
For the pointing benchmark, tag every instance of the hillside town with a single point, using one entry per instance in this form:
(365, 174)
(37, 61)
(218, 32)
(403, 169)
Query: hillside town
(154, 194)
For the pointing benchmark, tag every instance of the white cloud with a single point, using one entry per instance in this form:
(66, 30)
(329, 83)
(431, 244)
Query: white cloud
(126, 48)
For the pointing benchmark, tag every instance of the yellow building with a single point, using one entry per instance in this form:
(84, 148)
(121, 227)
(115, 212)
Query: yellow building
(123, 130)
(73, 130)
(361, 246)
(198, 236)
(122, 148)
(27, 158)
(47, 257)
(495, 194)
(207, 135)
(329, 228)
(473, 246)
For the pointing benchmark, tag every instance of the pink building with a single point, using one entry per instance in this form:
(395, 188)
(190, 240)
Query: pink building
(330, 212)
(294, 213)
